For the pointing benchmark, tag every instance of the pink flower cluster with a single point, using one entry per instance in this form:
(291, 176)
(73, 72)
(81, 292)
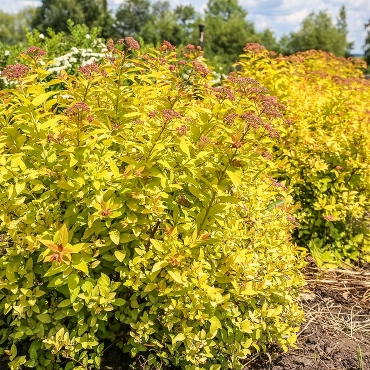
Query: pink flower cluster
(201, 68)
(78, 108)
(224, 93)
(182, 130)
(88, 69)
(36, 52)
(170, 114)
(230, 118)
(166, 45)
(130, 42)
(15, 71)
(254, 47)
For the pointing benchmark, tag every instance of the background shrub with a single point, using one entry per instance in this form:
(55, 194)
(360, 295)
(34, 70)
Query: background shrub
(324, 155)
(134, 209)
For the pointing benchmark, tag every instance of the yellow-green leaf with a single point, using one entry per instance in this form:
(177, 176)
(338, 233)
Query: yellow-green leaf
(63, 235)
(44, 318)
(42, 98)
(120, 255)
(114, 236)
(159, 265)
(215, 325)
(245, 326)
(82, 266)
(175, 275)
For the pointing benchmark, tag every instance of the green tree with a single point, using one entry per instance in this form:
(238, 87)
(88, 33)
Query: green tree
(269, 41)
(318, 32)
(342, 27)
(132, 16)
(155, 22)
(97, 14)
(55, 13)
(185, 14)
(227, 31)
(12, 26)
(225, 9)
(162, 25)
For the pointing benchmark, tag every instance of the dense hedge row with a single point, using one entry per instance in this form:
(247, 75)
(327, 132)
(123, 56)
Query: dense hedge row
(324, 155)
(136, 208)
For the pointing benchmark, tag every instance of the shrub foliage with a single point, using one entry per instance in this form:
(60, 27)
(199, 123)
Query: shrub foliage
(324, 155)
(134, 210)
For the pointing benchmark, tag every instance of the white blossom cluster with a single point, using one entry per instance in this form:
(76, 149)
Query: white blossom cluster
(76, 58)
(217, 78)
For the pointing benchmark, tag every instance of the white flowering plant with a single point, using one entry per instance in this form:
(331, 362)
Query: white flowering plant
(63, 52)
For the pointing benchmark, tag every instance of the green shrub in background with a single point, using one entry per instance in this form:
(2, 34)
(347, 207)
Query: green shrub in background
(134, 209)
(68, 52)
(324, 155)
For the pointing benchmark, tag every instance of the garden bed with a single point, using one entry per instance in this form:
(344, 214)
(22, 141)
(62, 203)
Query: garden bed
(335, 336)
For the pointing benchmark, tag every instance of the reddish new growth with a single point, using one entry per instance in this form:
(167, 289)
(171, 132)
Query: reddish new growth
(230, 118)
(183, 201)
(329, 218)
(50, 137)
(132, 44)
(166, 45)
(172, 68)
(203, 141)
(153, 113)
(276, 184)
(15, 71)
(77, 108)
(223, 93)
(201, 68)
(182, 62)
(182, 130)
(237, 144)
(267, 155)
(254, 47)
(36, 52)
(105, 212)
(90, 118)
(170, 114)
(55, 257)
(88, 69)
(339, 168)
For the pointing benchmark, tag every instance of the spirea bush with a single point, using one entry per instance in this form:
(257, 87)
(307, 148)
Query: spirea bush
(135, 210)
(324, 155)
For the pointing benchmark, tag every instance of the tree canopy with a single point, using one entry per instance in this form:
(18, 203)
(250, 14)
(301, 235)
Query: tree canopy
(319, 32)
(55, 13)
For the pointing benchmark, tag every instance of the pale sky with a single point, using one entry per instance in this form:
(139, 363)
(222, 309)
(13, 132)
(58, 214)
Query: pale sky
(281, 16)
